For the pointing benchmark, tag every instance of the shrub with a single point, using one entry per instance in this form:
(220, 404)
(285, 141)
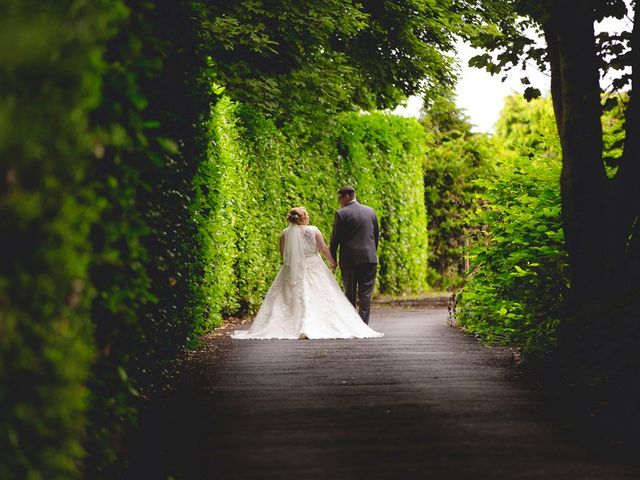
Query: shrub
(50, 62)
(518, 263)
(148, 257)
(455, 159)
(518, 273)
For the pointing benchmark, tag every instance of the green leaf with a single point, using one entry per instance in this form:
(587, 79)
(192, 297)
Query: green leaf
(168, 145)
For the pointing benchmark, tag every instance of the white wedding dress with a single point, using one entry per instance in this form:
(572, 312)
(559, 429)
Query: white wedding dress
(305, 301)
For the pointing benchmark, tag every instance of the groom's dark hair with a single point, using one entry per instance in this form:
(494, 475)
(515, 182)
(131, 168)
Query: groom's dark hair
(347, 191)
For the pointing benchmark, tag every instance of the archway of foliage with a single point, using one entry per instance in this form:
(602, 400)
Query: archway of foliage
(129, 231)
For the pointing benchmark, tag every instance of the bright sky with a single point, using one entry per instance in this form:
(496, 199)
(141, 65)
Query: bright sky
(481, 95)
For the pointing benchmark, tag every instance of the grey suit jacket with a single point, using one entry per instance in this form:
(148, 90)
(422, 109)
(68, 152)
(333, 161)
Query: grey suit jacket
(356, 234)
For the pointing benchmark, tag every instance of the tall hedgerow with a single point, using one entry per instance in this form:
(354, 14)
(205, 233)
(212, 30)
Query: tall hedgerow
(255, 172)
(518, 273)
(219, 209)
(51, 65)
(455, 158)
(148, 257)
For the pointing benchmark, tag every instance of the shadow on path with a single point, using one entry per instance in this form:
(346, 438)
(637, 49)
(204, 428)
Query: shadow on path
(425, 401)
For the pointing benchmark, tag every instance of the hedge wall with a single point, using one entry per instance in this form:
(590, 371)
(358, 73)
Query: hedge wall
(147, 258)
(255, 172)
(138, 207)
(99, 142)
(50, 64)
(518, 274)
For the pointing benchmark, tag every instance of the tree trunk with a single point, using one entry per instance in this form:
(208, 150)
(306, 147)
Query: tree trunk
(576, 97)
(625, 205)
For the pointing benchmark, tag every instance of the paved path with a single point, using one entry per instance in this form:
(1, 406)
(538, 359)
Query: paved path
(425, 401)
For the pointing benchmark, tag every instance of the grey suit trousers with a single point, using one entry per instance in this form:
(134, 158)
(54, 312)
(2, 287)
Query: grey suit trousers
(358, 284)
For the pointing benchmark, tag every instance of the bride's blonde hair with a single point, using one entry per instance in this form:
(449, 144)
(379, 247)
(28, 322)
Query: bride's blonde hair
(297, 215)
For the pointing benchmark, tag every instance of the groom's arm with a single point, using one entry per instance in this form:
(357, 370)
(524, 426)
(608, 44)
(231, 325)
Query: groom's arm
(335, 237)
(376, 230)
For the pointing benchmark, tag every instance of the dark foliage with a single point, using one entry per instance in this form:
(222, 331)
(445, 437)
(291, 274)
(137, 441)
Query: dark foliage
(314, 58)
(50, 67)
(147, 258)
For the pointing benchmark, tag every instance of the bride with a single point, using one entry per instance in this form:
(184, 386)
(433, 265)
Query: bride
(305, 300)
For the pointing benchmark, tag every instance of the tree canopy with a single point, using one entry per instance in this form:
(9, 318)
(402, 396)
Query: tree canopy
(331, 55)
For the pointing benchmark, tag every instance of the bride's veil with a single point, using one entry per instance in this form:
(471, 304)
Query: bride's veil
(293, 257)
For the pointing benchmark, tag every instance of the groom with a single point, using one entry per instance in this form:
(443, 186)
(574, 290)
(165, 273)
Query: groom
(355, 233)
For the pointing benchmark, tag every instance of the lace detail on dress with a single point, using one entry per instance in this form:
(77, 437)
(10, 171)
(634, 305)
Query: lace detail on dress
(311, 245)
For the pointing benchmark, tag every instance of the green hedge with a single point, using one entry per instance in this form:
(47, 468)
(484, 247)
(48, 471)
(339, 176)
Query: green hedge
(51, 65)
(148, 258)
(456, 158)
(255, 172)
(99, 143)
(518, 273)
(519, 276)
